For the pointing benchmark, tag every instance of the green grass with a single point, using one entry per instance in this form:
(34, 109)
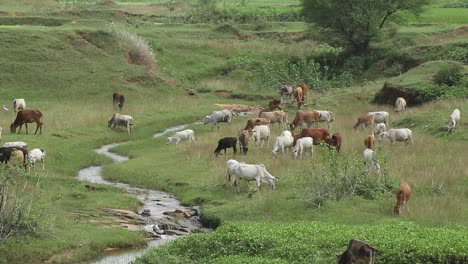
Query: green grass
(445, 16)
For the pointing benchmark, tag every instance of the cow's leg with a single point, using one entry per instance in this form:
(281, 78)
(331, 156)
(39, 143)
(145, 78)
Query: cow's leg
(234, 148)
(237, 184)
(257, 180)
(37, 127)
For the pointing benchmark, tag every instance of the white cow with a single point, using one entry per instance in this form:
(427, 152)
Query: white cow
(181, 135)
(285, 140)
(253, 172)
(398, 134)
(19, 104)
(18, 144)
(454, 120)
(261, 132)
(380, 117)
(304, 144)
(36, 155)
(369, 158)
(400, 104)
(231, 164)
(218, 117)
(121, 120)
(380, 128)
(326, 116)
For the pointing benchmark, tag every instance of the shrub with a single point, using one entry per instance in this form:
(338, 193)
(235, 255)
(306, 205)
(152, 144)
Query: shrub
(450, 75)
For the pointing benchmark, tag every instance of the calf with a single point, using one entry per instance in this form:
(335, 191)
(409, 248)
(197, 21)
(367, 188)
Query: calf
(304, 144)
(398, 134)
(380, 117)
(274, 103)
(181, 135)
(253, 172)
(369, 159)
(118, 99)
(244, 138)
(454, 120)
(37, 155)
(403, 194)
(305, 90)
(282, 142)
(298, 97)
(224, 144)
(304, 116)
(256, 122)
(261, 132)
(380, 128)
(335, 142)
(19, 104)
(121, 120)
(326, 116)
(400, 104)
(318, 134)
(369, 142)
(357, 251)
(364, 121)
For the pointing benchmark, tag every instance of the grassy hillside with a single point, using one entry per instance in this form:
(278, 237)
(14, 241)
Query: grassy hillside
(60, 57)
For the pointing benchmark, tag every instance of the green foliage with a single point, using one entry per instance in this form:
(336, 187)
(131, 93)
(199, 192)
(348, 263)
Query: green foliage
(460, 4)
(450, 75)
(314, 242)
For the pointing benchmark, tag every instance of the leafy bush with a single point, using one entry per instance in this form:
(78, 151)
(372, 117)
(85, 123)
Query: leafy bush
(451, 75)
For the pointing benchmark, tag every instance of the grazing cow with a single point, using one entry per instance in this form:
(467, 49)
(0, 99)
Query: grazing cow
(121, 120)
(286, 90)
(219, 117)
(305, 144)
(224, 144)
(256, 122)
(19, 104)
(400, 104)
(244, 138)
(369, 159)
(118, 99)
(231, 164)
(280, 117)
(454, 120)
(7, 153)
(181, 135)
(398, 134)
(318, 134)
(357, 251)
(298, 97)
(274, 103)
(304, 116)
(25, 117)
(364, 121)
(380, 128)
(305, 90)
(18, 144)
(402, 196)
(380, 117)
(284, 141)
(37, 155)
(261, 132)
(326, 116)
(253, 172)
(335, 141)
(369, 141)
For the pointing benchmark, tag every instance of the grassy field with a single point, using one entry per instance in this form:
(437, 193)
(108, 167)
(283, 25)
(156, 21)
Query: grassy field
(61, 59)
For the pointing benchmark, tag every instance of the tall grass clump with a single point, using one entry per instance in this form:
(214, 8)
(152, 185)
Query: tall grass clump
(137, 50)
(19, 211)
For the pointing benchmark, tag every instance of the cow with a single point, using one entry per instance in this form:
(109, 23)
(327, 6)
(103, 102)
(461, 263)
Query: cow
(19, 144)
(305, 90)
(224, 144)
(19, 104)
(318, 134)
(304, 116)
(261, 132)
(380, 117)
(286, 90)
(121, 120)
(118, 99)
(364, 121)
(218, 117)
(231, 164)
(280, 117)
(369, 141)
(7, 153)
(305, 144)
(274, 103)
(379, 128)
(369, 159)
(326, 116)
(400, 104)
(282, 142)
(253, 172)
(181, 135)
(335, 141)
(37, 155)
(256, 122)
(298, 97)
(398, 134)
(403, 194)
(454, 120)
(23, 117)
(357, 251)
(244, 138)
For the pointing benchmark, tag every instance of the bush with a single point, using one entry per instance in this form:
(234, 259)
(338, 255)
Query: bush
(451, 75)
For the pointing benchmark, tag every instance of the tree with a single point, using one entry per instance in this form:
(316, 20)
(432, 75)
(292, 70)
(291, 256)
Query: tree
(357, 22)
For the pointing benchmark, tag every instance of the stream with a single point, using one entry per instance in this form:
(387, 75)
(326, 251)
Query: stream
(161, 215)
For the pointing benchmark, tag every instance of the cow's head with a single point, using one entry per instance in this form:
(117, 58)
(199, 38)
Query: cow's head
(12, 128)
(382, 136)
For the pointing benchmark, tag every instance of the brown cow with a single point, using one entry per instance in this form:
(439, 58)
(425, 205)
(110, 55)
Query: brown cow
(402, 196)
(274, 103)
(304, 116)
(305, 90)
(256, 122)
(119, 99)
(298, 96)
(364, 121)
(318, 134)
(335, 141)
(357, 251)
(244, 138)
(25, 117)
(369, 142)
